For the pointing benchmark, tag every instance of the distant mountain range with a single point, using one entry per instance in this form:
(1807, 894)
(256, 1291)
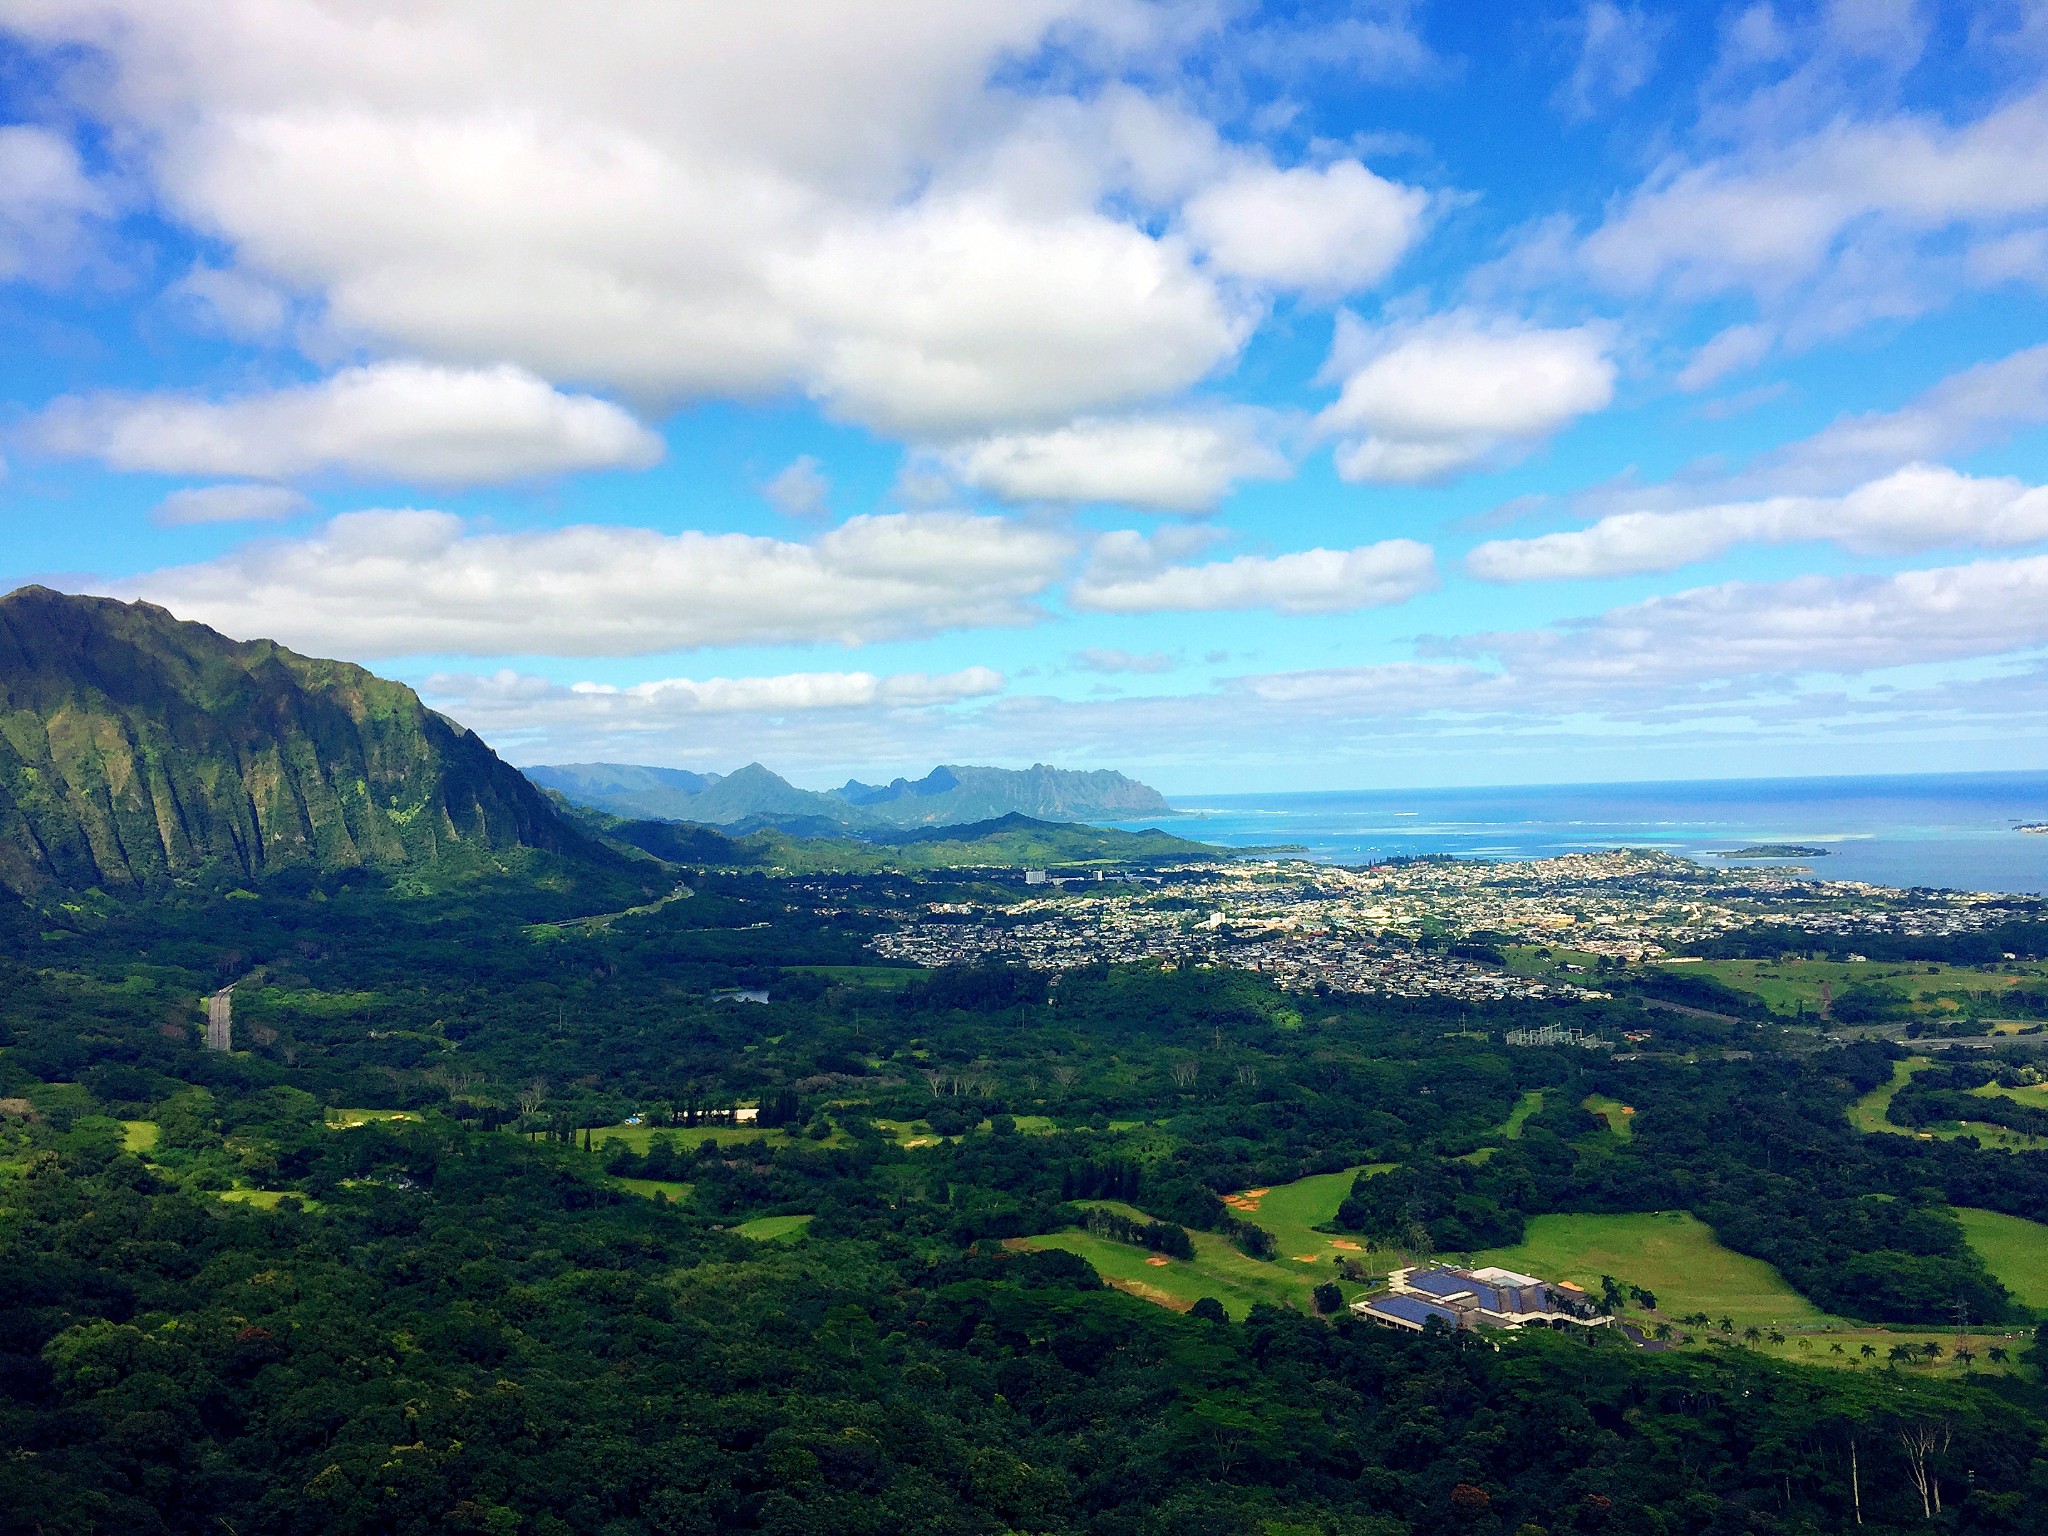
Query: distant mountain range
(753, 797)
(136, 747)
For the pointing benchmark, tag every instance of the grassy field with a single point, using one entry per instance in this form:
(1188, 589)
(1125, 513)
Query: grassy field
(263, 1199)
(657, 1189)
(686, 1138)
(890, 978)
(1670, 1254)
(773, 1229)
(1291, 1212)
(1788, 985)
(1677, 1258)
(349, 1119)
(2013, 1249)
(140, 1135)
(1527, 1105)
(1620, 1117)
(2035, 1097)
(1870, 1112)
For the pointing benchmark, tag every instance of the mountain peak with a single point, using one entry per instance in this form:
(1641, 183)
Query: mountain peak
(949, 795)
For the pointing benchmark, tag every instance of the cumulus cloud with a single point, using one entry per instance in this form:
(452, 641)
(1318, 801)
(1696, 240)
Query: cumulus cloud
(1310, 581)
(1424, 401)
(800, 488)
(1179, 463)
(1923, 506)
(371, 584)
(1327, 231)
(47, 204)
(414, 420)
(228, 504)
(680, 204)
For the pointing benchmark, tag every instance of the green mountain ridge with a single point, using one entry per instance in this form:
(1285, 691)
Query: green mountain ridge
(137, 747)
(1012, 841)
(754, 797)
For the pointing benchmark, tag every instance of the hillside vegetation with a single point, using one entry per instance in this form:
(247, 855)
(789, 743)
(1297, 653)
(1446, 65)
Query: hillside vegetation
(135, 747)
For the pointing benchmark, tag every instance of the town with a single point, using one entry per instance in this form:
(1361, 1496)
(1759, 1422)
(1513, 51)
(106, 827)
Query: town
(1414, 928)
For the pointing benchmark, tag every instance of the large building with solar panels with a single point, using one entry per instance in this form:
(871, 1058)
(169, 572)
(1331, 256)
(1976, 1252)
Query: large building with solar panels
(1465, 1299)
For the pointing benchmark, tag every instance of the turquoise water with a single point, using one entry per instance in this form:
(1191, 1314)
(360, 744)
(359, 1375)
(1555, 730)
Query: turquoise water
(1950, 830)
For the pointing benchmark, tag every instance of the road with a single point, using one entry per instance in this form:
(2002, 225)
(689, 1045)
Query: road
(220, 1019)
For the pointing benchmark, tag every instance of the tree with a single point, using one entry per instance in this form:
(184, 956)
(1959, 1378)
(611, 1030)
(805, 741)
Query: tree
(1752, 1334)
(1209, 1309)
(1328, 1298)
(1923, 1442)
(1869, 1351)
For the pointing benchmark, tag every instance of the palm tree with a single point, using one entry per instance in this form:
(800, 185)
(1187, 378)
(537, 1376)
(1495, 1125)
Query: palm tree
(1869, 1351)
(1997, 1352)
(1662, 1330)
(1752, 1334)
(1899, 1352)
(1966, 1358)
(1931, 1350)
(1835, 1348)
(1727, 1325)
(1778, 1338)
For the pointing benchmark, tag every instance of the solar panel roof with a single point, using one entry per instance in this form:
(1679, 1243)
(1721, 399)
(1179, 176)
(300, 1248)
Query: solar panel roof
(1413, 1309)
(1439, 1282)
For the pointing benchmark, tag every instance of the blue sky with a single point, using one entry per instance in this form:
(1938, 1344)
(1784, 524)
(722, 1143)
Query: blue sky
(1246, 397)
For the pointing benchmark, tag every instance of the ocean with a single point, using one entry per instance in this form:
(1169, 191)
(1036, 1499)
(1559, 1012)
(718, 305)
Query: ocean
(1949, 830)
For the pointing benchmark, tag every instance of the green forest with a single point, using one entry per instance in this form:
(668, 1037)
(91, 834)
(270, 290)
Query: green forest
(466, 1233)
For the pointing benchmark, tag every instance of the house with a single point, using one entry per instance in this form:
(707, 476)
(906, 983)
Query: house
(1469, 1299)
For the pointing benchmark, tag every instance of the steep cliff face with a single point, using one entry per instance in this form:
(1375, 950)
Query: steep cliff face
(136, 747)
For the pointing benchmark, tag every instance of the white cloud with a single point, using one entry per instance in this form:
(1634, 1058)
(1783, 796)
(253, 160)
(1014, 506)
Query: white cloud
(1184, 463)
(1809, 624)
(793, 691)
(1922, 506)
(1973, 408)
(47, 204)
(1730, 351)
(736, 200)
(401, 419)
(1310, 581)
(800, 489)
(1429, 399)
(1327, 231)
(1114, 660)
(717, 721)
(1617, 55)
(228, 504)
(371, 584)
(230, 303)
(1771, 216)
